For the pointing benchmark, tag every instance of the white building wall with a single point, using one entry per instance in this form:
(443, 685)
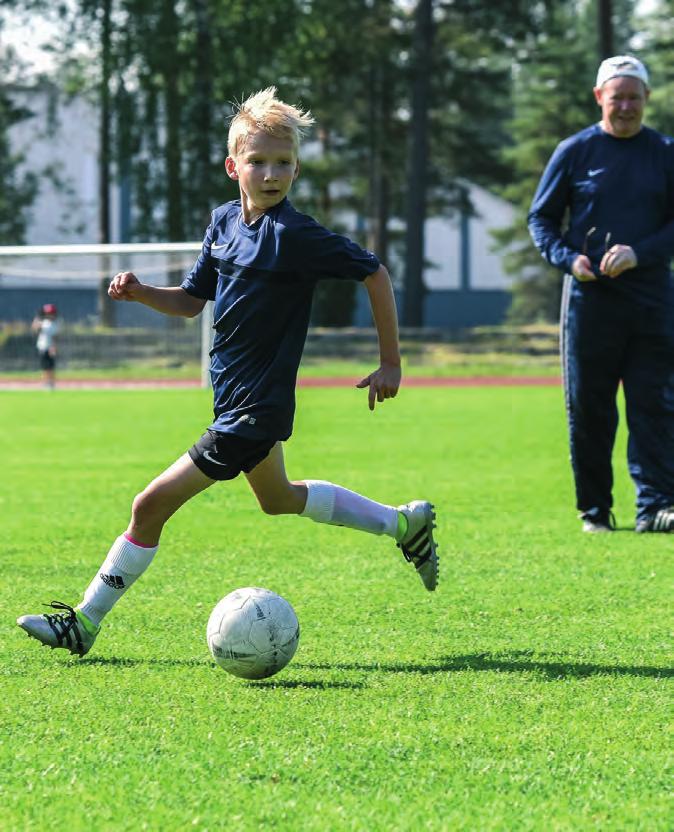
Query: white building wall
(443, 245)
(60, 145)
(492, 212)
(442, 250)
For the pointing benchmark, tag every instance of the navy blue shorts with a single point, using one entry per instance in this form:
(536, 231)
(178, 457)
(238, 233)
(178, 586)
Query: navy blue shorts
(223, 456)
(47, 361)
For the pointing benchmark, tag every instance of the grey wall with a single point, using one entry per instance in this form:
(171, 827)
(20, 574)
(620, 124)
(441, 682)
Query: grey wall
(449, 308)
(74, 306)
(443, 308)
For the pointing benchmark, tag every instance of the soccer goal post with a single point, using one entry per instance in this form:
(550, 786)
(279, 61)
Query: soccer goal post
(96, 335)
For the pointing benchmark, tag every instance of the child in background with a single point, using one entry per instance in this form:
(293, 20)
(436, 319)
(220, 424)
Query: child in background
(260, 262)
(47, 327)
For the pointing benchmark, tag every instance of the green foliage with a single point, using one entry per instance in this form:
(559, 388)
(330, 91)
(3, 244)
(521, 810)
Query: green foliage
(472, 94)
(529, 692)
(508, 82)
(552, 99)
(657, 34)
(17, 187)
(188, 61)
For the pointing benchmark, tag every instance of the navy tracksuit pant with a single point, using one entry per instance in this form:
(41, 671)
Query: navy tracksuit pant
(607, 338)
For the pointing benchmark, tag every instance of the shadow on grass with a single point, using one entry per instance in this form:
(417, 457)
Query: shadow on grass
(519, 661)
(305, 685)
(298, 684)
(121, 661)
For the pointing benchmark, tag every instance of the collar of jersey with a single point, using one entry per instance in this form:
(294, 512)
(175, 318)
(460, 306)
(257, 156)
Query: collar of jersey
(253, 230)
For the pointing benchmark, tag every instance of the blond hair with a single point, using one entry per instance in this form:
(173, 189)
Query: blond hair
(264, 111)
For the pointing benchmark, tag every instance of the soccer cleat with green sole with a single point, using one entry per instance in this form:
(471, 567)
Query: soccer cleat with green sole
(417, 544)
(69, 629)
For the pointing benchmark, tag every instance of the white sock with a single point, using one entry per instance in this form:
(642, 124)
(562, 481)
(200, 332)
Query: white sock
(329, 503)
(125, 563)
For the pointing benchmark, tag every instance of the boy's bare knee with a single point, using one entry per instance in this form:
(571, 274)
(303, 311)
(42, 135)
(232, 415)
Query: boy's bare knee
(146, 506)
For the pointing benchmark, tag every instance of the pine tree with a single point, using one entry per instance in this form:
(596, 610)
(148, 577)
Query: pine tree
(657, 48)
(18, 188)
(552, 99)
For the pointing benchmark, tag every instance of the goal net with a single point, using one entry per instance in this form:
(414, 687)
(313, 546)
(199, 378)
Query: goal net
(97, 337)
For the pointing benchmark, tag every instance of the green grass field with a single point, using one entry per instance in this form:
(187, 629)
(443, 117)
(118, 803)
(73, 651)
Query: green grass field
(531, 691)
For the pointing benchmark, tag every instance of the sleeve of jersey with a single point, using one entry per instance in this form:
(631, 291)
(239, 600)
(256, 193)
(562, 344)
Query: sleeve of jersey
(547, 213)
(659, 247)
(202, 281)
(325, 254)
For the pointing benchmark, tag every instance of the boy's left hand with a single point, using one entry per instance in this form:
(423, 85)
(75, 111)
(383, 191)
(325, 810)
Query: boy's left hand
(383, 383)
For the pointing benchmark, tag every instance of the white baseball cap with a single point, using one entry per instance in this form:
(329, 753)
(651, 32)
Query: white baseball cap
(621, 65)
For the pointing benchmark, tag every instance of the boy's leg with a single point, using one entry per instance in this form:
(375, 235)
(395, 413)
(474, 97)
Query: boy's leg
(319, 500)
(163, 497)
(128, 558)
(270, 484)
(411, 526)
(133, 551)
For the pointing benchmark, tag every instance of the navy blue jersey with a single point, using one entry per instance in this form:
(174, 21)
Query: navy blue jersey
(262, 279)
(621, 187)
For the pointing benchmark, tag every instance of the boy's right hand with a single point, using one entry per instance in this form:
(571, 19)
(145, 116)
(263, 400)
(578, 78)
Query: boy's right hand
(582, 269)
(124, 286)
(383, 383)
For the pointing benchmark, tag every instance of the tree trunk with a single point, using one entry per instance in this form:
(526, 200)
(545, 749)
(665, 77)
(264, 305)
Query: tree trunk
(380, 125)
(172, 107)
(106, 306)
(418, 164)
(605, 14)
(204, 97)
(170, 68)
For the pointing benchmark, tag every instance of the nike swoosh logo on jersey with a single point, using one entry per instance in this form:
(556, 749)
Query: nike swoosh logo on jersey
(595, 171)
(217, 248)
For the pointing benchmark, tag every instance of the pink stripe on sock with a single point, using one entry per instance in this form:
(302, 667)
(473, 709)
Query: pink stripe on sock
(137, 542)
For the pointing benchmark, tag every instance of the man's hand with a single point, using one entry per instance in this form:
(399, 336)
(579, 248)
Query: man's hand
(383, 383)
(582, 269)
(618, 259)
(124, 286)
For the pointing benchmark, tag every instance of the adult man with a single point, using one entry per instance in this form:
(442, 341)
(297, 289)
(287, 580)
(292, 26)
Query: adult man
(616, 181)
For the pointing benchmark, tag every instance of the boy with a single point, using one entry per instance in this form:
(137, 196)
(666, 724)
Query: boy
(46, 326)
(260, 262)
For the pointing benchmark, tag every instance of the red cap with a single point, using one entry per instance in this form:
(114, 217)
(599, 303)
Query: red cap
(49, 309)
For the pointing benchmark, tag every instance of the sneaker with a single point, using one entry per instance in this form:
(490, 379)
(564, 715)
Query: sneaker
(70, 629)
(597, 522)
(418, 545)
(661, 521)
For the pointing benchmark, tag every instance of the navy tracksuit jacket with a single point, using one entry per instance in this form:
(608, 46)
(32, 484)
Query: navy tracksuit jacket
(614, 329)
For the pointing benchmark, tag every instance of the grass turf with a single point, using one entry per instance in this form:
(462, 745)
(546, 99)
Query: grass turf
(531, 691)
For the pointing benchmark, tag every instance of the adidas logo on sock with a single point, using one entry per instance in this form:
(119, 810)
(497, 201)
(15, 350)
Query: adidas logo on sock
(115, 581)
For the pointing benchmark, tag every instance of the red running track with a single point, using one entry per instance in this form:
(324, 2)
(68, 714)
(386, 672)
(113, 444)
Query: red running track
(7, 383)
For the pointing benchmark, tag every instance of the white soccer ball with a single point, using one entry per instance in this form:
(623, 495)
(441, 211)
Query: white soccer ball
(252, 633)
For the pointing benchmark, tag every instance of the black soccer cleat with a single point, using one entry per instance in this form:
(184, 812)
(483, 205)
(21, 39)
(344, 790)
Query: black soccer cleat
(418, 546)
(68, 630)
(660, 521)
